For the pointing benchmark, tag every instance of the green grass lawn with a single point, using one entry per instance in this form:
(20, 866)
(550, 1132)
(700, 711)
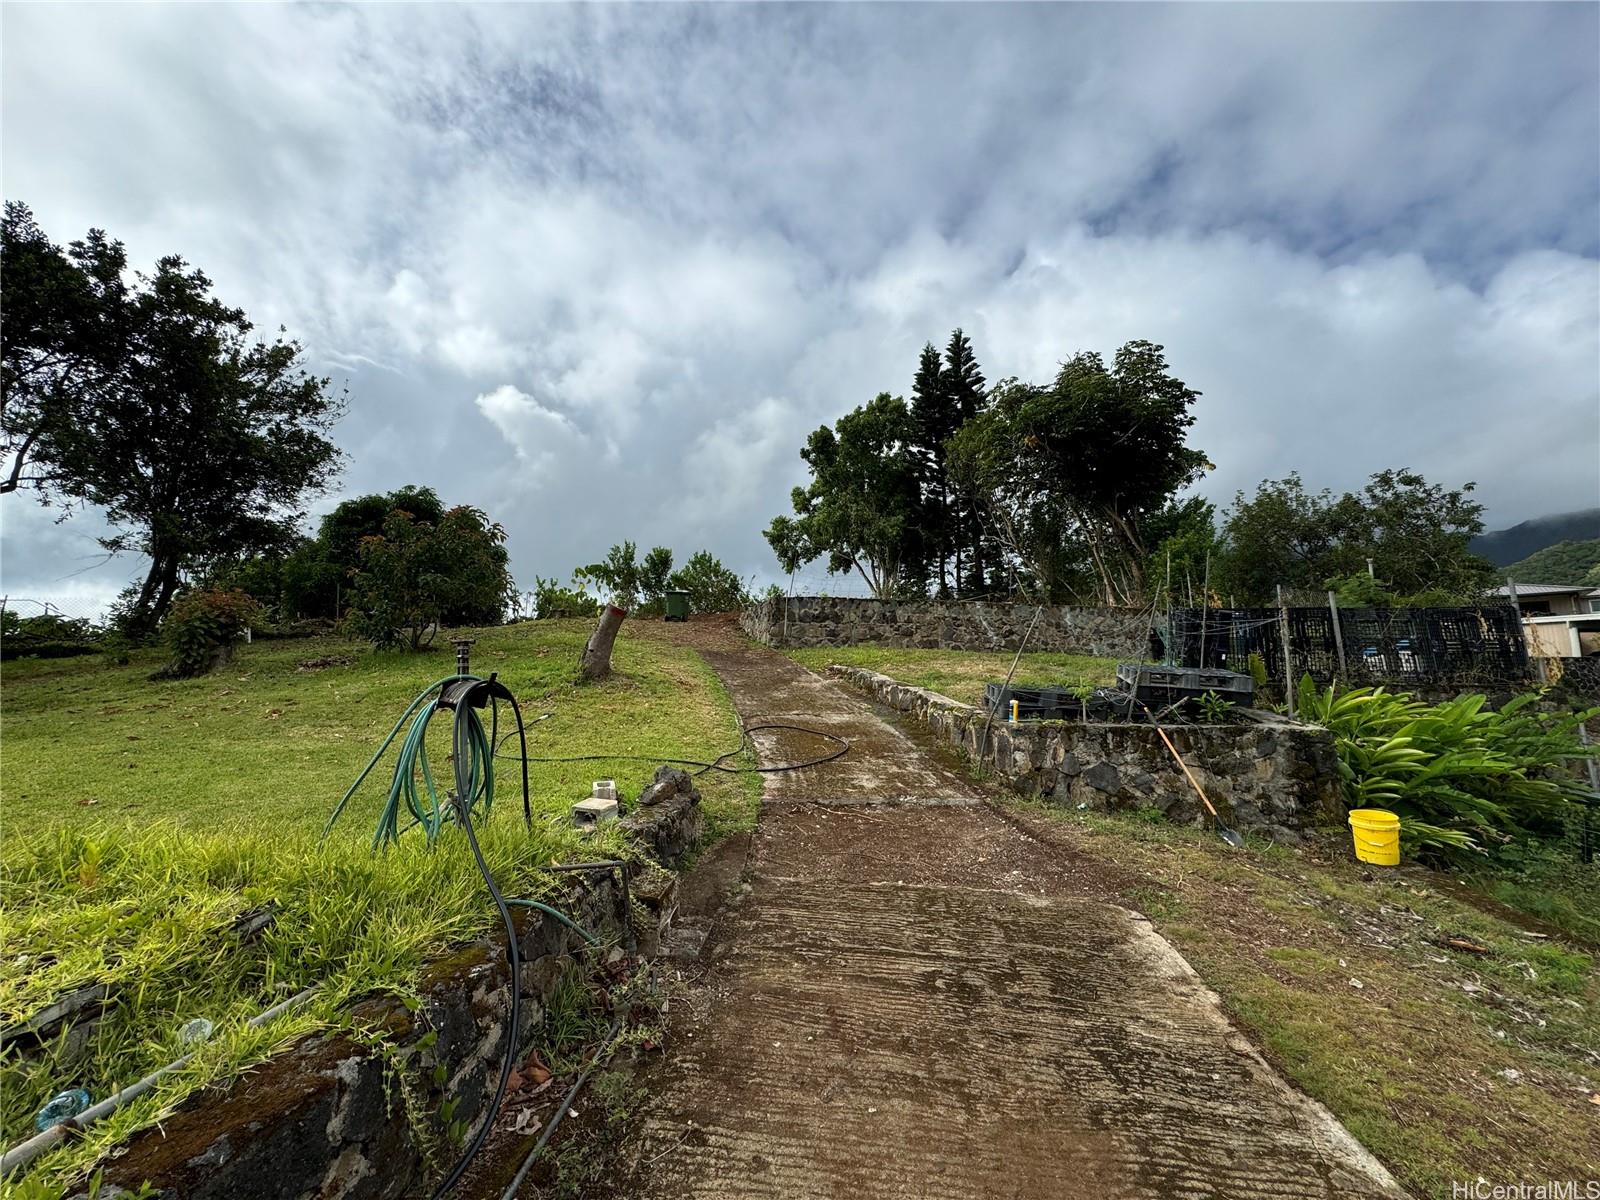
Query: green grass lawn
(961, 674)
(142, 817)
(264, 743)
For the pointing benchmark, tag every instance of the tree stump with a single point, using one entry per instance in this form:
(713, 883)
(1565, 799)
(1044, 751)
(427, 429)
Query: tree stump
(596, 660)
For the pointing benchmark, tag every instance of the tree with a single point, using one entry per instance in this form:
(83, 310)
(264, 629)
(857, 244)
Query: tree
(415, 572)
(61, 344)
(316, 574)
(935, 422)
(617, 574)
(1090, 458)
(961, 386)
(653, 577)
(153, 402)
(1282, 535)
(860, 509)
(1399, 528)
(712, 587)
(1418, 536)
(992, 459)
(1185, 562)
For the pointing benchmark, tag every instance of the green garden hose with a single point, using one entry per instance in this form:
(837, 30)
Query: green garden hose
(473, 768)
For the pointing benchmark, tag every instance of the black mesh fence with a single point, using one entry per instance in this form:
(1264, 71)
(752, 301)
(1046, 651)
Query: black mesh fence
(1579, 677)
(1419, 647)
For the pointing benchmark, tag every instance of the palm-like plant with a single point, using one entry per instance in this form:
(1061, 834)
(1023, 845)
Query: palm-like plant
(1460, 776)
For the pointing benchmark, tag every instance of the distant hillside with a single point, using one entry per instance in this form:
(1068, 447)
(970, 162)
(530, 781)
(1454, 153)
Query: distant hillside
(1565, 562)
(1506, 546)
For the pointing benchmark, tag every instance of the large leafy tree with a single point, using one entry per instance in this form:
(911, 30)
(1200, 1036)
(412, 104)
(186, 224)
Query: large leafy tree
(198, 440)
(1088, 460)
(62, 340)
(1412, 535)
(860, 510)
(414, 574)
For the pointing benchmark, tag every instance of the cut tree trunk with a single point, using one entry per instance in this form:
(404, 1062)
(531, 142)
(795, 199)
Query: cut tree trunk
(596, 660)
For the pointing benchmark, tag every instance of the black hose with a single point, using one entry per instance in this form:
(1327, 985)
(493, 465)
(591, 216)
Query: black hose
(513, 952)
(715, 764)
(561, 1110)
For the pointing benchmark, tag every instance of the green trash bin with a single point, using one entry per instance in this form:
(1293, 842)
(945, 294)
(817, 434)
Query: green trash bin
(677, 606)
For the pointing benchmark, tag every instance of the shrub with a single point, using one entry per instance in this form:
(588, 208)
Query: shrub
(551, 599)
(48, 636)
(203, 627)
(1463, 779)
(711, 586)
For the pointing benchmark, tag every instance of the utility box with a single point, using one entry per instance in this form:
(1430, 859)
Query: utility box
(594, 812)
(677, 606)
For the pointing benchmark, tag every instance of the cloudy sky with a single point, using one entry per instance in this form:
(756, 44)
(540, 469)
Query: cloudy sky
(600, 269)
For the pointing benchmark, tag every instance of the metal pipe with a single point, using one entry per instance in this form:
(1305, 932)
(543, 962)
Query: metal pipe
(561, 1111)
(23, 1153)
(626, 869)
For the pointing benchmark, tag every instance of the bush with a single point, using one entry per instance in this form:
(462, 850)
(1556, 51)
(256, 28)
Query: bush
(1463, 779)
(711, 586)
(202, 629)
(551, 599)
(47, 636)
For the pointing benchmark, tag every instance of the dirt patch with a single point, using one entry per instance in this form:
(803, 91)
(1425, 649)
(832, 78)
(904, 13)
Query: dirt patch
(966, 847)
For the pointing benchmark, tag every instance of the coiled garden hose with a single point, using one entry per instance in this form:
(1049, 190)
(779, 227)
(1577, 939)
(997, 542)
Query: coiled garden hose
(472, 751)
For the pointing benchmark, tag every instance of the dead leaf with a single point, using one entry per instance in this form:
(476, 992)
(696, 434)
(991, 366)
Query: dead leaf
(534, 1071)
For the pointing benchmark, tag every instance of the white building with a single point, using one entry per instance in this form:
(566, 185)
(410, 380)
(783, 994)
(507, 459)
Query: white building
(1558, 620)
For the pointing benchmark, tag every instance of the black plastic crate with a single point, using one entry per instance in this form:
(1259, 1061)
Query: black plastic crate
(1160, 684)
(1055, 704)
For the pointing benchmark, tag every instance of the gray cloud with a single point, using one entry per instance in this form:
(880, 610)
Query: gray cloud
(600, 269)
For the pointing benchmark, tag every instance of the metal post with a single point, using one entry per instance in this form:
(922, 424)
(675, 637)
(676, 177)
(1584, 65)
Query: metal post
(1586, 848)
(1338, 631)
(463, 655)
(1205, 609)
(1288, 670)
(1171, 634)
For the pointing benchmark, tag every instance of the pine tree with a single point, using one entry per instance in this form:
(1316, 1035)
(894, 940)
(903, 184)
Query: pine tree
(936, 422)
(962, 385)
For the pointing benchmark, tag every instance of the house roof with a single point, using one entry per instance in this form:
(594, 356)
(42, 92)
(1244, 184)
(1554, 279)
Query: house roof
(1548, 589)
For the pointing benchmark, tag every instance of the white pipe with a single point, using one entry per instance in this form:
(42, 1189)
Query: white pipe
(23, 1153)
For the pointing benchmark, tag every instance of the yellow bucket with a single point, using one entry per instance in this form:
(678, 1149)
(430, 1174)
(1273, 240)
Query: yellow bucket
(1377, 836)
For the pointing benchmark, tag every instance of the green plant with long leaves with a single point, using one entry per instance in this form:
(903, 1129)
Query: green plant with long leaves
(1464, 779)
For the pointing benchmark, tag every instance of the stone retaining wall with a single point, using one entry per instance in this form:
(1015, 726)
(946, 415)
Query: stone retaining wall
(1270, 774)
(326, 1118)
(799, 621)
